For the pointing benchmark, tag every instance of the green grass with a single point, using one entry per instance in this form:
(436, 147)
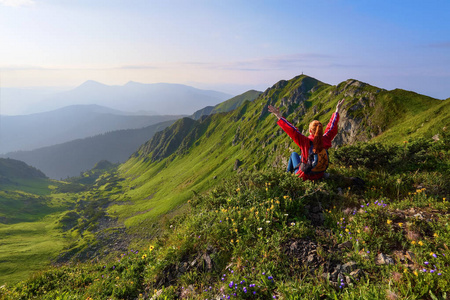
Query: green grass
(176, 203)
(244, 224)
(28, 247)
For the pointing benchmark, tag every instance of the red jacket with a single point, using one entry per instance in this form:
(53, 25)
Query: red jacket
(304, 142)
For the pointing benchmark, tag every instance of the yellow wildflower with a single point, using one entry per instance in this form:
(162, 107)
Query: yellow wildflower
(420, 243)
(232, 241)
(400, 224)
(389, 221)
(238, 189)
(405, 271)
(144, 256)
(236, 230)
(415, 273)
(358, 231)
(436, 235)
(151, 248)
(346, 229)
(413, 242)
(237, 241)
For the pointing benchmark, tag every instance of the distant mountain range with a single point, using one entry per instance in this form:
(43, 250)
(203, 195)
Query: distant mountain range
(71, 158)
(134, 97)
(69, 123)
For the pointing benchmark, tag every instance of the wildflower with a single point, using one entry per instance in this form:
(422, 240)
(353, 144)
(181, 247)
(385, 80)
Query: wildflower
(426, 263)
(144, 256)
(435, 235)
(151, 248)
(389, 221)
(415, 273)
(413, 242)
(434, 255)
(420, 243)
(238, 189)
(439, 274)
(260, 228)
(292, 224)
(232, 241)
(405, 270)
(400, 224)
(267, 221)
(346, 229)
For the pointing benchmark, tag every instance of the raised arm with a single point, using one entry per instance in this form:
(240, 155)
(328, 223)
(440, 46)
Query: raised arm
(332, 127)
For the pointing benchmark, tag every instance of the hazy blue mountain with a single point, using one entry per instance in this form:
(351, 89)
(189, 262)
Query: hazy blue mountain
(70, 158)
(21, 101)
(156, 98)
(34, 131)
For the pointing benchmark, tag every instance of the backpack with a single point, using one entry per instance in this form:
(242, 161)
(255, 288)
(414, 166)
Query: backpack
(317, 162)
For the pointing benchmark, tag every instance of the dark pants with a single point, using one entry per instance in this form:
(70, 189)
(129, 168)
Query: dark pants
(294, 162)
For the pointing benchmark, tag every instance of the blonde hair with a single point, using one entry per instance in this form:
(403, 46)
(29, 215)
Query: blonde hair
(316, 128)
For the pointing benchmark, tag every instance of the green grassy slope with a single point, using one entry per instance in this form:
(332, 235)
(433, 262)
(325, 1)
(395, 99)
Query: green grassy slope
(192, 157)
(269, 235)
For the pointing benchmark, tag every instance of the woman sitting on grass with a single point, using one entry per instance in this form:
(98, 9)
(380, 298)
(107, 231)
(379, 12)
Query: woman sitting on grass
(313, 161)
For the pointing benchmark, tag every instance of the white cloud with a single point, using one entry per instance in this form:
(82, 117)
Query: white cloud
(17, 3)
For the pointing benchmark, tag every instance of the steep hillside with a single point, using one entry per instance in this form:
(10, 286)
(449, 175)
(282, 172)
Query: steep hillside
(194, 155)
(70, 158)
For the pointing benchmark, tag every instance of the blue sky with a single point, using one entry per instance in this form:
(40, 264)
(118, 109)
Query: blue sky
(226, 45)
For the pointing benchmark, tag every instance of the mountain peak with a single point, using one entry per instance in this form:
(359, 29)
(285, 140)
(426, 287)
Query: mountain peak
(91, 83)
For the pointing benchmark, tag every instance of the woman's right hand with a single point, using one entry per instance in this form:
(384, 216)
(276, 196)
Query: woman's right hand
(338, 106)
(275, 111)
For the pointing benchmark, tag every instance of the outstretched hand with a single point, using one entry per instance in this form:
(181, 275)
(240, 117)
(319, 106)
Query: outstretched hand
(338, 106)
(275, 111)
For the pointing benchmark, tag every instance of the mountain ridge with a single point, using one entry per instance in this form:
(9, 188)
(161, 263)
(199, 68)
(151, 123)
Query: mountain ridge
(38, 130)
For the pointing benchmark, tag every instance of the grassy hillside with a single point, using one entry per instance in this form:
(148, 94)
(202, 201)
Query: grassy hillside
(267, 234)
(254, 214)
